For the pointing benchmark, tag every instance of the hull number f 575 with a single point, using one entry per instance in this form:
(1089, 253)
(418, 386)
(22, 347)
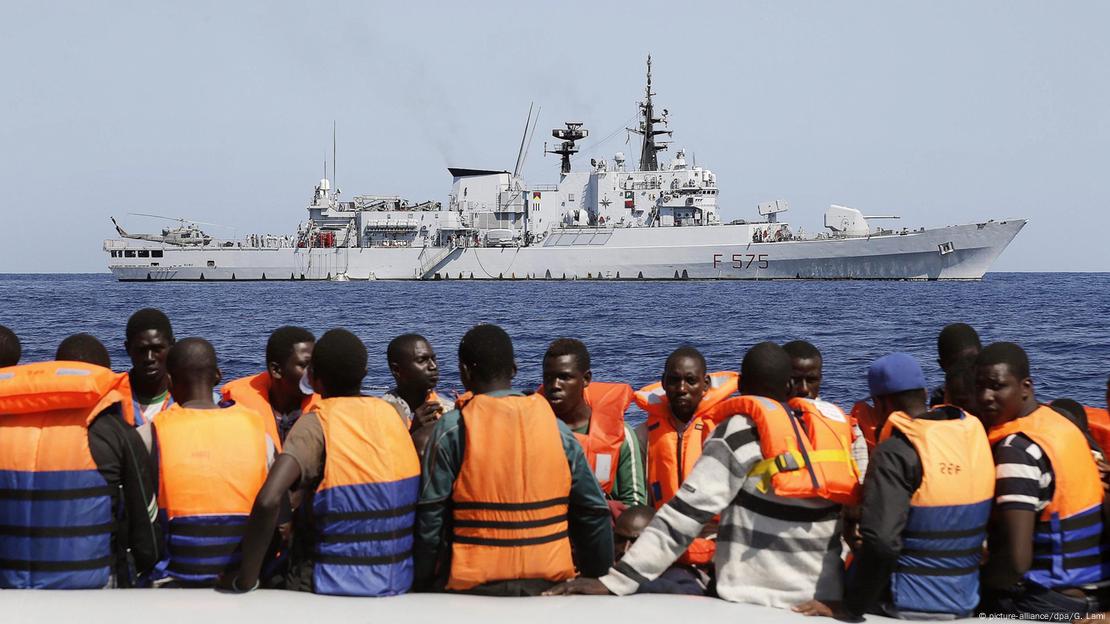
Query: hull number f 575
(741, 261)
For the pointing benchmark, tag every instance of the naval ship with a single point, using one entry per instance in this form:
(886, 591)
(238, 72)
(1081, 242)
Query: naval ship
(654, 219)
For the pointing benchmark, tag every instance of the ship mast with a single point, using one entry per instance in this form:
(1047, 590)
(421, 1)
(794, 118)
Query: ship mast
(649, 153)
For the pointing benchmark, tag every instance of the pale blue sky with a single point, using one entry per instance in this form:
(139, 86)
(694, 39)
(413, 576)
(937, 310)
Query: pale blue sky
(943, 112)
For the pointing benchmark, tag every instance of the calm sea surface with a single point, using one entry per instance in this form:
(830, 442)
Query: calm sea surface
(629, 327)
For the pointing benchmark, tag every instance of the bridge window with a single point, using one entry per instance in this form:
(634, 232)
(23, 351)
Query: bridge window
(129, 253)
(144, 253)
(157, 253)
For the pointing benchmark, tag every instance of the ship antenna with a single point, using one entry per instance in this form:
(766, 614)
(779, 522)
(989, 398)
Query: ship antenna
(649, 153)
(523, 139)
(531, 133)
(334, 181)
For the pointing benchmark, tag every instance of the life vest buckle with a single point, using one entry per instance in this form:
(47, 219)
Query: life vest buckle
(787, 461)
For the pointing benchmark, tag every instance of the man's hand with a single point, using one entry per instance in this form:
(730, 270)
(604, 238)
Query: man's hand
(225, 582)
(581, 585)
(825, 608)
(425, 414)
(849, 528)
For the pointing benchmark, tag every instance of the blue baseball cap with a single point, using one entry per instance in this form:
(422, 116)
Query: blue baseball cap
(893, 373)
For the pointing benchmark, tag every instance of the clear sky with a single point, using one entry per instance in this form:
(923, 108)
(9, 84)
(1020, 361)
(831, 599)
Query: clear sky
(942, 112)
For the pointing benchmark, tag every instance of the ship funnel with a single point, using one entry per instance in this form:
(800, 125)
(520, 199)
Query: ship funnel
(569, 135)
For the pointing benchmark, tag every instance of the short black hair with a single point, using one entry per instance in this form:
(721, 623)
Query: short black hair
(339, 359)
(955, 339)
(10, 348)
(148, 319)
(281, 342)
(398, 346)
(766, 371)
(570, 346)
(191, 357)
(83, 348)
(801, 350)
(1006, 353)
(488, 351)
(685, 351)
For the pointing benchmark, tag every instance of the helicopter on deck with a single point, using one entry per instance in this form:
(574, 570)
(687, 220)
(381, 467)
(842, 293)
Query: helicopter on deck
(186, 233)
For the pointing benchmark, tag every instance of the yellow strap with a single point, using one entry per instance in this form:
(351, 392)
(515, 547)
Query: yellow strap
(768, 468)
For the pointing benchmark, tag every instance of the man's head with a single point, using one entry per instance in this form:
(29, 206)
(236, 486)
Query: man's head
(959, 387)
(413, 362)
(685, 381)
(1003, 386)
(897, 384)
(288, 353)
(148, 341)
(486, 359)
(765, 371)
(338, 364)
(192, 368)
(10, 348)
(957, 342)
(83, 348)
(805, 361)
(566, 373)
(629, 526)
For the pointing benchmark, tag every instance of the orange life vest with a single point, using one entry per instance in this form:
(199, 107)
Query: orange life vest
(364, 507)
(254, 392)
(938, 568)
(211, 464)
(673, 448)
(1098, 422)
(805, 457)
(602, 442)
(1074, 515)
(864, 415)
(57, 505)
(511, 497)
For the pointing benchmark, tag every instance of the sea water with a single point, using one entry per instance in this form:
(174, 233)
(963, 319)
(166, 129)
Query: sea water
(629, 327)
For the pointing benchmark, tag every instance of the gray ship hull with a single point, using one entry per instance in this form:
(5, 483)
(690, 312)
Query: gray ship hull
(962, 252)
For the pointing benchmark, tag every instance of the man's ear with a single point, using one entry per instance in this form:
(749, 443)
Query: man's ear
(588, 376)
(514, 369)
(394, 369)
(274, 369)
(219, 378)
(1027, 388)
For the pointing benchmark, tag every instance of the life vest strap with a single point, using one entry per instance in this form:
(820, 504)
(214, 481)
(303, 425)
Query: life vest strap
(362, 561)
(1068, 547)
(508, 524)
(795, 460)
(379, 536)
(923, 571)
(944, 534)
(186, 529)
(375, 514)
(8, 530)
(938, 554)
(204, 552)
(553, 502)
(788, 513)
(1070, 563)
(55, 566)
(509, 543)
(55, 495)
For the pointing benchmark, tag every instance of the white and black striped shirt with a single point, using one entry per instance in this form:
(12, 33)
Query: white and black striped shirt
(1023, 475)
(771, 551)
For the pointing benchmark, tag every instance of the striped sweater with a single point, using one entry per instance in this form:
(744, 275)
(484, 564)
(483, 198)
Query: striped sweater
(771, 551)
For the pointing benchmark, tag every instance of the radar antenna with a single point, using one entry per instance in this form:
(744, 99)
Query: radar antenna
(573, 132)
(649, 153)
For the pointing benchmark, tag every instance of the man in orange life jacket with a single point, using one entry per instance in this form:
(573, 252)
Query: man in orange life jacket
(594, 412)
(210, 462)
(779, 531)
(412, 362)
(10, 348)
(925, 503)
(1046, 534)
(506, 490)
(355, 460)
(276, 392)
(149, 337)
(102, 534)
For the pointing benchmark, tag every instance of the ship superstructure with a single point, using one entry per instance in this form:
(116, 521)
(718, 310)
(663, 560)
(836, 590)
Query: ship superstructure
(654, 219)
